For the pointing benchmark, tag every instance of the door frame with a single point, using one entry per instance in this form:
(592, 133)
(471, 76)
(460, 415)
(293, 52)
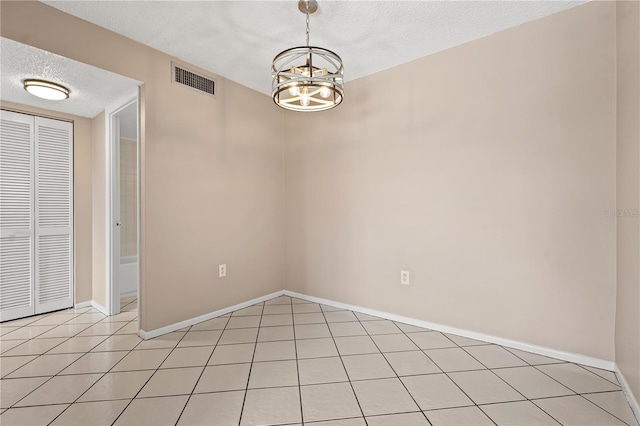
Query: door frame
(112, 160)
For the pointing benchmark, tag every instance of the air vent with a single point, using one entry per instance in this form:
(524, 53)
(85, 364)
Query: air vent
(195, 81)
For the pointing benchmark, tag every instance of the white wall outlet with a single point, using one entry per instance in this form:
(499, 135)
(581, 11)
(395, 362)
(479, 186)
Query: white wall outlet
(222, 270)
(404, 277)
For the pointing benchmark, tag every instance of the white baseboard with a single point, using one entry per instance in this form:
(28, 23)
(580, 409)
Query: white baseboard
(93, 304)
(540, 350)
(633, 402)
(99, 307)
(186, 323)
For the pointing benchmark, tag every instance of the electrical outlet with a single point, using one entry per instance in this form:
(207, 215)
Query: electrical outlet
(404, 277)
(222, 270)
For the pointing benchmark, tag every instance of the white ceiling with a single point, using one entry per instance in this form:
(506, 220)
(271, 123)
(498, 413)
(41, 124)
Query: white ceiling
(238, 39)
(91, 89)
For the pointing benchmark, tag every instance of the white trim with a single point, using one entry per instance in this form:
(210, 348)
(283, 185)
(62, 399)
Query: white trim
(114, 194)
(633, 402)
(82, 304)
(138, 197)
(540, 350)
(110, 163)
(108, 219)
(100, 308)
(186, 323)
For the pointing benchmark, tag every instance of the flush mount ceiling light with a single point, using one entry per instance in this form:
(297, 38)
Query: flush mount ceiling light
(46, 90)
(307, 78)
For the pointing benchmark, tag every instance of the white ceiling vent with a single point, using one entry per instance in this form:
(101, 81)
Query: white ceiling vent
(195, 81)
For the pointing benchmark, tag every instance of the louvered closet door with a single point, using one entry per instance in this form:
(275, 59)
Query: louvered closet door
(16, 215)
(54, 214)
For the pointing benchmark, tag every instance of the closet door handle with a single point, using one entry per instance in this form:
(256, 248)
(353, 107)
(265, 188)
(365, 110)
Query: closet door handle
(118, 224)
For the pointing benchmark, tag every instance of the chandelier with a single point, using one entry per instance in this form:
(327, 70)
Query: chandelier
(307, 78)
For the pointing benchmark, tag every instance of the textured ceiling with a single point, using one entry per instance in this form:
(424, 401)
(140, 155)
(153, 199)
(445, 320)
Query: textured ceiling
(238, 39)
(92, 89)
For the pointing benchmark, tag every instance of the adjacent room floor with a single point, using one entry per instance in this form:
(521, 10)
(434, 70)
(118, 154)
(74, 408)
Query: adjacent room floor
(286, 361)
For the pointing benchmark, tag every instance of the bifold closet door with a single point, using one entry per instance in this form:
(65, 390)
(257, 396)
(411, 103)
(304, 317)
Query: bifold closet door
(53, 214)
(17, 221)
(36, 215)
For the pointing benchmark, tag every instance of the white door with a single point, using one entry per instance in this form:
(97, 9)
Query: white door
(54, 214)
(36, 215)
(16, 215)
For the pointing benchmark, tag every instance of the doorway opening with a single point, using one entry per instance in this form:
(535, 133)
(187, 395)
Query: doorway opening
(125, 207)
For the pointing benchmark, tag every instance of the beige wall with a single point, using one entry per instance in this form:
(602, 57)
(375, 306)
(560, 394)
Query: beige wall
(212, 174)
(485, 170)
(128, 198)
(82, 206)
(627, 336)
(99, 229)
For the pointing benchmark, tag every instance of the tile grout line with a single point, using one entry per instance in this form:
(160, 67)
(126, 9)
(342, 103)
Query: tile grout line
(46, 352)
(37, 317)
(295, 349)
(587, 399)
(342, 362)
(83, 354)
(205, 365)
(103, 374)
(54, 327)
(189, 329)
(528, 364)
(18, 328)
(147, 381)
(280, 386)
(527, 399)
(492, 372)
(533, 366)
(5, 377)
(576, 393)
(444, 372)
(246, 390)
(586, 369)
(391, 366)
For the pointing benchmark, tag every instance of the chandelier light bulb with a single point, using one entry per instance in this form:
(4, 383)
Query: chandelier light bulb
(304, 100)
(294, 91)
(325, 92)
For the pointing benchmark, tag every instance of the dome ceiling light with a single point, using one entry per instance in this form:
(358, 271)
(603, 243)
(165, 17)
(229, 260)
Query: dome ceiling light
(307, 78)
(46, 89)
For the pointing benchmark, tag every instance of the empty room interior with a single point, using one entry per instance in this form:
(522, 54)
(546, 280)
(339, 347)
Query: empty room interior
(324, 213)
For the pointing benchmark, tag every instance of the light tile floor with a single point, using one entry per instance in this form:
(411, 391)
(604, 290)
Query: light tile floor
(285, 362)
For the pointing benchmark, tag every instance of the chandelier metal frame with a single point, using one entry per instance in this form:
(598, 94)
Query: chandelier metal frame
(307, 78)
